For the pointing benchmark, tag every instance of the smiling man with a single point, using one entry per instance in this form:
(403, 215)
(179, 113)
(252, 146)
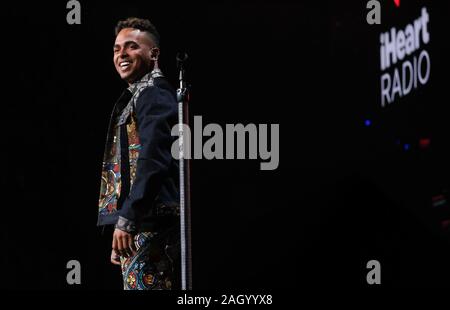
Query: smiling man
(139, 183)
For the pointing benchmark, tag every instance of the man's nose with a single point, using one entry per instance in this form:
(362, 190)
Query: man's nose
(123, 53)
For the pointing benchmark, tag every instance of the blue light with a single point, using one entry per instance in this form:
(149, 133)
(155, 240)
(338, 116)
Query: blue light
(406, 146)
(367, 122)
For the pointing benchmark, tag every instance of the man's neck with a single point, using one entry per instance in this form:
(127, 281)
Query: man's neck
(151, 74)
(155, 73)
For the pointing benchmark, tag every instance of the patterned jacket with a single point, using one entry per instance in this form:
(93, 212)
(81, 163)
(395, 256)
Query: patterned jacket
(139, 181)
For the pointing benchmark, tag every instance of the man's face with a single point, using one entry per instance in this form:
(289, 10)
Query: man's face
(132, 54)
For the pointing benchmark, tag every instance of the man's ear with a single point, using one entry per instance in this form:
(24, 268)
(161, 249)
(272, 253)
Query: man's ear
(154, 53)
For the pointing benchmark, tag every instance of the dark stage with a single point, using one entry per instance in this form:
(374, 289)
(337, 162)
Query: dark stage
(356, 181)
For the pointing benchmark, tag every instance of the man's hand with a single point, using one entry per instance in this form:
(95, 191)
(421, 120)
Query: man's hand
(123, 243)
(115, 259)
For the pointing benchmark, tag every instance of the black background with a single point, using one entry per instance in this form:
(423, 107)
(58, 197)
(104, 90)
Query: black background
(342, 195)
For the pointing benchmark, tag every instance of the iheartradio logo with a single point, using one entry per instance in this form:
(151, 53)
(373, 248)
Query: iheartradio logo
(404, 60)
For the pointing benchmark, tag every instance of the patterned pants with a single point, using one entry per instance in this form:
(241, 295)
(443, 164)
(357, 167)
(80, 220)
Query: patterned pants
(155, 264)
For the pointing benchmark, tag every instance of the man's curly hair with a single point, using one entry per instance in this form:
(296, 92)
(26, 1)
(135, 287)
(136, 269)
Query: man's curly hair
(141, 24)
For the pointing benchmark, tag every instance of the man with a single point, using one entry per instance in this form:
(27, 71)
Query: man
(139, 188)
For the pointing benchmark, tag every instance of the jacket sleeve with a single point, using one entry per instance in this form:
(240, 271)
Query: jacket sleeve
(156, 111)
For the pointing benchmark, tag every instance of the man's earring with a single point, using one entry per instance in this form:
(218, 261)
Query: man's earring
(155, 60)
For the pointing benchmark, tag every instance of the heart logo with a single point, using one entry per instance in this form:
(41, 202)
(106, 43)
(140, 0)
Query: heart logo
(397, 3)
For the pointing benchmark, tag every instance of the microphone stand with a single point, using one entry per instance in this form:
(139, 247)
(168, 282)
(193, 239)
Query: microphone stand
(185, 186)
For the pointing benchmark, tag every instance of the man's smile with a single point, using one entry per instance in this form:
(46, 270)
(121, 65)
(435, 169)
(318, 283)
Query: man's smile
(124, 65)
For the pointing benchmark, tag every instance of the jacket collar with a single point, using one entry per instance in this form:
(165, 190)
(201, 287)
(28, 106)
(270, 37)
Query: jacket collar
(144, 81)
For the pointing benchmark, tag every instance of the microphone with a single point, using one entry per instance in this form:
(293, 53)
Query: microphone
(181, 58)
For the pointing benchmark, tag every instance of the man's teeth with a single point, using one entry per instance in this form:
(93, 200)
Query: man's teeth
(124, 64)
